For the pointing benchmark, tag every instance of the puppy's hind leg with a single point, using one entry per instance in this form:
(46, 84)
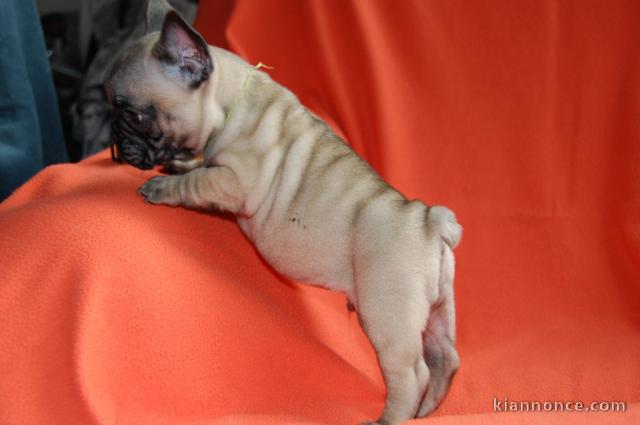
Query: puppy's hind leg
(439, 338)
(395, 331)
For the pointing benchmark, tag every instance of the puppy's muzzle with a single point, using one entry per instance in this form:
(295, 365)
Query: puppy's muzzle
(143, 151)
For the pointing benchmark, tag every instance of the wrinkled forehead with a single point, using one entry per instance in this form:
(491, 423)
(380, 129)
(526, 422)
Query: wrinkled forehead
(132, 74)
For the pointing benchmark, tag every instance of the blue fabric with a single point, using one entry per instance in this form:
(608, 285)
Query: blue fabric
(30, 126)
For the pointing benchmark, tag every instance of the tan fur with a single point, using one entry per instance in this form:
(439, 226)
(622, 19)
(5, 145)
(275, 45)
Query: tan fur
(319, 214)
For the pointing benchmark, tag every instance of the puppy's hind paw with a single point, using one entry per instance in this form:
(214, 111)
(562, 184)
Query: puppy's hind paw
(352, 308)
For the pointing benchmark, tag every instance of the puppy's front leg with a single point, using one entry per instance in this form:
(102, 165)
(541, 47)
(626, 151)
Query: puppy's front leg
(205, 187)
(178, 166)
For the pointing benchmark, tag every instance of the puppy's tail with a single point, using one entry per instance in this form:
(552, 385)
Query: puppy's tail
(442, 221)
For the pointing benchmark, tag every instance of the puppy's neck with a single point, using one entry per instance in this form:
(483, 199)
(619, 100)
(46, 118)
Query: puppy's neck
(222, 91)
(230, 74)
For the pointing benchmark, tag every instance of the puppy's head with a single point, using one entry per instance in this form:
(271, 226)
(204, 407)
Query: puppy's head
(156, 90)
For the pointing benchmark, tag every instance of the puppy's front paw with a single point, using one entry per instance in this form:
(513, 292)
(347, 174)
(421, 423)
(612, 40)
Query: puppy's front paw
(160, 190)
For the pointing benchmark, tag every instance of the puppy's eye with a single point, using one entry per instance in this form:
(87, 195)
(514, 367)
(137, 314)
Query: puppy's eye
(137, 120)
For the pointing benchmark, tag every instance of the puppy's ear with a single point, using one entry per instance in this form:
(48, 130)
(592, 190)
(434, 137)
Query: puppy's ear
(183, 51)
(156, 12)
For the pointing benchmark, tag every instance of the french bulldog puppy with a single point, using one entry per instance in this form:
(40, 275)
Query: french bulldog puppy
(315, 210)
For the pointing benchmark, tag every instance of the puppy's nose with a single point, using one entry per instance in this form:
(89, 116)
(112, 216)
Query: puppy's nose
(137, 155)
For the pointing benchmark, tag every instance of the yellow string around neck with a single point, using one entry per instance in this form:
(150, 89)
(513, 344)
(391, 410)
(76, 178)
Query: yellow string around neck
(244, 88)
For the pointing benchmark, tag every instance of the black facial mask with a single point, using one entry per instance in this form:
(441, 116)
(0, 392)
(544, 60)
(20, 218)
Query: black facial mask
(127, 145)
(141, 149)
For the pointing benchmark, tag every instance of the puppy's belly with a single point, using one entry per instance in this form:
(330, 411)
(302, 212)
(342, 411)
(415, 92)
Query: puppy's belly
(307, 248)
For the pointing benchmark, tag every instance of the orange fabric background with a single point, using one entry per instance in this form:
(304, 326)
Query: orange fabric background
(523, 117)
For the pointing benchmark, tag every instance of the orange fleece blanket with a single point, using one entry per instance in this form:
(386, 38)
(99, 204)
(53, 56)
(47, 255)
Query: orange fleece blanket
(523, 117)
